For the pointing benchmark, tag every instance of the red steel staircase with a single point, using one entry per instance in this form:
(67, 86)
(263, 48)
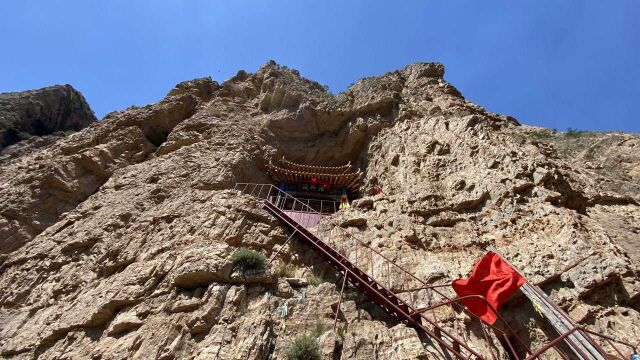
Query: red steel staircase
(397, 291)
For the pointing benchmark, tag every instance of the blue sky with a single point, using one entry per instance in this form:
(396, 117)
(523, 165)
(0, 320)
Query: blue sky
(557, 64)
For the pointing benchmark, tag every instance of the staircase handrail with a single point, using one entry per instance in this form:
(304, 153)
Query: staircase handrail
(426, 286)
(336, 225)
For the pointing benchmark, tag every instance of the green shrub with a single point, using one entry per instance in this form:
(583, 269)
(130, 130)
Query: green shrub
(24, 135)
(303, 348)
(542, 134)
(573, 133)
(319, 328)
(245, 259)
(243, 309)
(287, 270)
(351, 295)
(315, 279)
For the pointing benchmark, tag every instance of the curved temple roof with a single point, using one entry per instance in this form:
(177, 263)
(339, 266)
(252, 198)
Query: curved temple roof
(338, 177)
(289, 165)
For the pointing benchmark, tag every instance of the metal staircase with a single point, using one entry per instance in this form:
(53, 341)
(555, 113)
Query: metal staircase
(397, 291)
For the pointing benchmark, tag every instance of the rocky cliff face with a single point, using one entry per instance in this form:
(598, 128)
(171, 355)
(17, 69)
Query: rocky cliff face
(42, 112)
(115, 241)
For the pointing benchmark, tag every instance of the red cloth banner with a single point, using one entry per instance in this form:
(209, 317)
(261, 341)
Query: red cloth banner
(493, 278)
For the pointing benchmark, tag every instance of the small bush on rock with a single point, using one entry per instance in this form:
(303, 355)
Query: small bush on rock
(287, 270)
(315, 279)
(243, 309)
(351, 295)
(245, 259)
(319, 328)
(303, 348)
(543, 134)
(574, 133)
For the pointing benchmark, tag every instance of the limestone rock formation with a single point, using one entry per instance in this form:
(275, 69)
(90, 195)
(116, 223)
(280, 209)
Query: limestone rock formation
(115, 241)
(42, 112)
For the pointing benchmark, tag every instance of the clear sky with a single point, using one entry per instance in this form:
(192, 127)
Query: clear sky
(557, 64)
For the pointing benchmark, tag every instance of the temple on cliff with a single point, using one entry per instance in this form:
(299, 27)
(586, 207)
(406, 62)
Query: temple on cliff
(337, 184)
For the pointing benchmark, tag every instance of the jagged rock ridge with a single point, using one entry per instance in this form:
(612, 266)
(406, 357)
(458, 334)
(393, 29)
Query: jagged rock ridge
(116, 240)
(42, 112)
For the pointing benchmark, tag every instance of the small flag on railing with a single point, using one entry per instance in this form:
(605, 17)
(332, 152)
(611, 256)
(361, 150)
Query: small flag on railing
(494, 279)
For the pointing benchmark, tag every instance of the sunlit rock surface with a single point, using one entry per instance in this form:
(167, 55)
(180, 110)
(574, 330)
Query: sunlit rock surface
(115, 241)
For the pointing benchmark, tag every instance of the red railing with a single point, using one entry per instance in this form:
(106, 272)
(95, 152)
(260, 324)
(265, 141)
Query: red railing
(324, 207)
(616, 354)
(376, 291)
(407, 287)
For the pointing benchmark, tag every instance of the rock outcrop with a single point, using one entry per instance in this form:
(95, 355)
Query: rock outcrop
(115, 242)
(42, 112)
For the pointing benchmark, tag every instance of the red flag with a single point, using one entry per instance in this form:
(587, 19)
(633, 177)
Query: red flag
(493, 278)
